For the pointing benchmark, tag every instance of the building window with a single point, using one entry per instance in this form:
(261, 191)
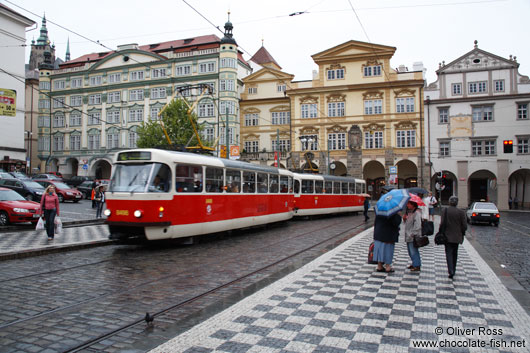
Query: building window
(208, 134)
(499, 85)
(231, 135)
(113, 116)
(285, 145)
(309, 110)
(96, 80)
(523, 145)
(373, 140)
(372, 70)
(337, 141)
(75, 119)
(206, 109)
(373, 106)
(136, 94)
(133, 137)
(44, 104)
(226, 85)
(228, 63)
(75, 142)
(76, 82)
(406, 138)
(456, 89)
(76, 101)
(309, 142)
(482, 147)
(251, 119)
(252, 146)
(158, 93)
(224, 105)
(58, 102)
(137, 75)
(154, 113)
(113, 140)
(253, 90)
(61, 84)
(281, 118)
(44, 143)
(44, 121)
(477, 87)
(207, 67)
(405, 105)
(337, 74)
(444, 149)
(443, 115)
(114, 97)
(335, 109)
(94, 118)
(94, 141)
(45, 85)
(114, 78)
(58, 143)
(483, 113)
(185, 91)
(58, 120)
(281, 87)
(94, 99)
(136, 115)
(522, 111)
(183, 70)
(157, 73)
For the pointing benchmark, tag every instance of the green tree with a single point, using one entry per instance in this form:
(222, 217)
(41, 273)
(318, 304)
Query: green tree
(178, 126)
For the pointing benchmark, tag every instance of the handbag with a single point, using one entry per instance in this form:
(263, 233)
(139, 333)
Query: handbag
(371, 254)
(440, 238)
(427, 227)
(40, 224)
(58, 225)
(420, 241)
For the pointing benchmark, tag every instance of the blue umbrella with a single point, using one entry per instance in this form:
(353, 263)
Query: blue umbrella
(392, 202)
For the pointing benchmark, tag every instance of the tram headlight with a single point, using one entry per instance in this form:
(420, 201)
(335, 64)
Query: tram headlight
(107, 212)
(160, 212)
(138, 213)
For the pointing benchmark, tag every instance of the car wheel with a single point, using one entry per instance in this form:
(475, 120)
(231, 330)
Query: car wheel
(29, 197)
(60, 197)
(76, 201)
(4, 218)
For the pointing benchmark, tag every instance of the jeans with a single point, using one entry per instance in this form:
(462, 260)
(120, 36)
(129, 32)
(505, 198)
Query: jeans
(99, 209)
(414, 254)
(451, 254)
(49, 218)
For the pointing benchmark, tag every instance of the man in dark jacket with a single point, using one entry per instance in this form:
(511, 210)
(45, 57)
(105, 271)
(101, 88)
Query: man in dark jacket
(366, 208)
(455, 229)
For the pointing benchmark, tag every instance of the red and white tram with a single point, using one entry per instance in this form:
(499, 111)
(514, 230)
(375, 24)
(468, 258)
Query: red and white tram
(326, 194)
(159, 194)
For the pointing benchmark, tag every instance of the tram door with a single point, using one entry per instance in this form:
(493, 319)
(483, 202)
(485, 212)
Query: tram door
(297, 188)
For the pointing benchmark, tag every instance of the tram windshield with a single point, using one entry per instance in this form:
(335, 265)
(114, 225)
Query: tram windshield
(145, 177)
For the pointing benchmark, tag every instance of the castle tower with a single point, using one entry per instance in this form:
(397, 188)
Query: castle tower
(36, 56)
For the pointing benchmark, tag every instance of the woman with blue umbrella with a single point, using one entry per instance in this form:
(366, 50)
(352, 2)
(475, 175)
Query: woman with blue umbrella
(386, 227)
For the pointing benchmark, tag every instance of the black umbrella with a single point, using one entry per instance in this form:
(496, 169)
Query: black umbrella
(417, 190)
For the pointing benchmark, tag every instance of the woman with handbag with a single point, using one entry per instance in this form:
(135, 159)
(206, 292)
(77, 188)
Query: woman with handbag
(49, 204)
(455, 226)
(412, 219)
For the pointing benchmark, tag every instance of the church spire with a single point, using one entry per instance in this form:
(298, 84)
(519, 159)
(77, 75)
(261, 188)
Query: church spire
(228, 38)
(43, 39)
(67, 56)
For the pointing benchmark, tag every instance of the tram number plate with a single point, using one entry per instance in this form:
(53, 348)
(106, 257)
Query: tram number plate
(122, 212)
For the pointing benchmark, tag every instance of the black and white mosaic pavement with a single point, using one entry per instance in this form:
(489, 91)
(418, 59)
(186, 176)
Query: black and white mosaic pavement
(339, 303)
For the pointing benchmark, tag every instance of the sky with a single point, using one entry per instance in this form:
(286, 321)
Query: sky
(429, 31)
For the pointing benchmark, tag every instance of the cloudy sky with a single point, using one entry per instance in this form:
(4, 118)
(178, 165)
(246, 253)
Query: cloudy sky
(430, 31)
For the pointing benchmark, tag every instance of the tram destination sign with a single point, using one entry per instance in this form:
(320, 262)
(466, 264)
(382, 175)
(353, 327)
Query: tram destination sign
(134, 156)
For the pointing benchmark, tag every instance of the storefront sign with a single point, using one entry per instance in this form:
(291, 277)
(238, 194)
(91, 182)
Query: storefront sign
(8, 102)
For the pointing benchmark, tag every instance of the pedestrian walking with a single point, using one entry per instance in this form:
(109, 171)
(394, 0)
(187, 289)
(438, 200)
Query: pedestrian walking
(516, 202)
(510, 202)
(412, 219)
(93, 195)
(455, 229)
(100, 200)
(366, 208)
(49, 205)
(431, 202)
(386, 234)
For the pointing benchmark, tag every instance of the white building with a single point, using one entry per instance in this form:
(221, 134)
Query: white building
(479, 101)
(12, 75)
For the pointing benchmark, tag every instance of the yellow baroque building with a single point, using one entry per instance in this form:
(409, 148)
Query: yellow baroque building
(358, 116)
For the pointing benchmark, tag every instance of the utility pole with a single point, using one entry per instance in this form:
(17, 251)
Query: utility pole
(227, 144)
(277, 160)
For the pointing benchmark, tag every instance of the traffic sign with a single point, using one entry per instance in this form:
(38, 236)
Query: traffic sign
(439, 186)
(85, 166)
(392, 170)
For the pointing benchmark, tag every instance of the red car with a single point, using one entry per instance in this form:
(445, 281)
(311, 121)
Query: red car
(16, 209)
(64, 192)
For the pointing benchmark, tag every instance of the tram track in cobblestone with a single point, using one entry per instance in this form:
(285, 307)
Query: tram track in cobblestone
(87, 345)
(162, 279)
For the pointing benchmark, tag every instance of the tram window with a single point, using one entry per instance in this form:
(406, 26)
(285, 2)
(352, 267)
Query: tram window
(336, 187)
(297, 186)
(307, 186)
(351, 188)
(344, 188)
(358, 188)
(233, 181)
(364, 188)
(249, 182)
(273, 184)
(263, 182)
(214, 179)
(328, 187)
(160, 178)
(319, 186)
(284, 184)
(188, 178)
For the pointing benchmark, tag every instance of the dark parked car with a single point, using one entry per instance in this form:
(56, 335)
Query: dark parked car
(6, 175)
(86, 189)
(78, 179)
(64, 192)
(15, 209)
(19, 175)
(27, 188)
(47, 177)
